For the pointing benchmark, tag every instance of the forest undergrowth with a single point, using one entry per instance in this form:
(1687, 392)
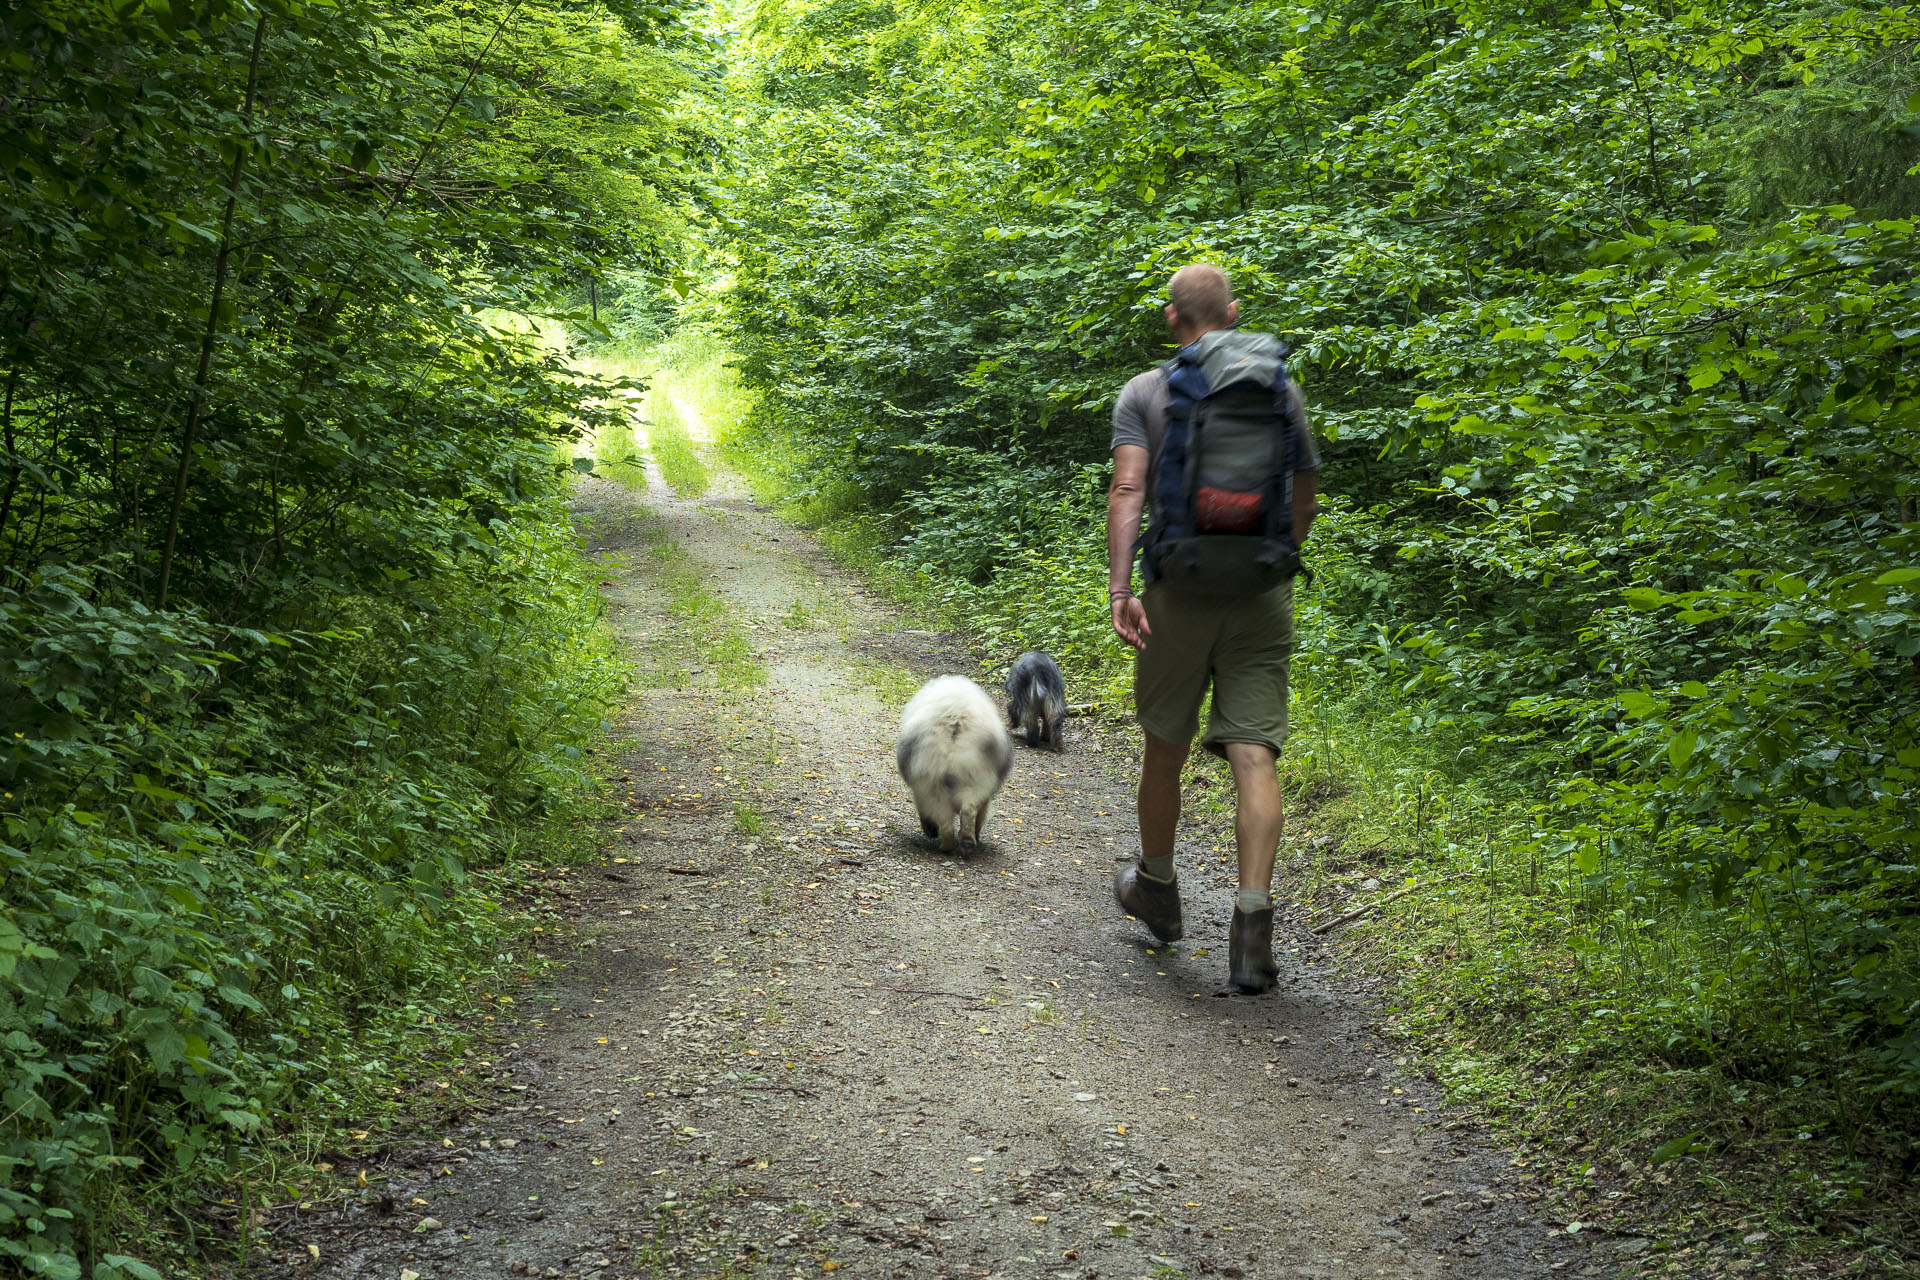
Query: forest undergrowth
(1612, 662)
(301, 668)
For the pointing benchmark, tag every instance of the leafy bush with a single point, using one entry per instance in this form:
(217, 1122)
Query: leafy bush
(295, 646)
(1606, 318)
(228, 851)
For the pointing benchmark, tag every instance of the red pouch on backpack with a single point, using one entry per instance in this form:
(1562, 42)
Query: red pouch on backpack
(1225, 511)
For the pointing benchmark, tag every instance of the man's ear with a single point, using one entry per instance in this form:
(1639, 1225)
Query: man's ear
(1173, 317)
(1233, 312)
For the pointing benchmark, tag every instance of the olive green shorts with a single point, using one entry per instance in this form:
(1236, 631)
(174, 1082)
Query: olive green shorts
(1240, 646)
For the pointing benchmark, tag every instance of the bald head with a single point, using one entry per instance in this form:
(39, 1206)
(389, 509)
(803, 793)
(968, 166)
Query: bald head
(1199, 299)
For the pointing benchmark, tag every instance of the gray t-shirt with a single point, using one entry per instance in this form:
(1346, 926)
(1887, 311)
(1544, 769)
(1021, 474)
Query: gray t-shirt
(1140, 418)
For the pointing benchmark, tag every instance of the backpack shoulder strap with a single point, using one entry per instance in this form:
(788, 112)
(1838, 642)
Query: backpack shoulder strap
(1286, 454)
(1173, 494)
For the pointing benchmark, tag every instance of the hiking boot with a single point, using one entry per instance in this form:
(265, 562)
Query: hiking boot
(1250, 963)
(1154, 903)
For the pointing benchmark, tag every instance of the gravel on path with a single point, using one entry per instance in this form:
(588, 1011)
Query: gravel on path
(828, 1048)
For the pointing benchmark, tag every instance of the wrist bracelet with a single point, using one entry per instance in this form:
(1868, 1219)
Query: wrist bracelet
(1119, 595)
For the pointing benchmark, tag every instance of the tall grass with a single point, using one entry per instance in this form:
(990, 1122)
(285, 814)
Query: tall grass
(695, 364)
(617, 454)
(674, 448)
(689, 402)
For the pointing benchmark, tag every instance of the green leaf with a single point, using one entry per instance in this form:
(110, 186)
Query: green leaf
(1638, 705)
(1893, 577)
(1680, 747)
(166, 1048)
(1705, 376)
(132, 1268)
(1674, 1148)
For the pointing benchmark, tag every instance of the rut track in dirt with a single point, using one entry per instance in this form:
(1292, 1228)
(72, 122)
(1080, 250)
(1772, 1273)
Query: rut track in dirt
(829, 1048)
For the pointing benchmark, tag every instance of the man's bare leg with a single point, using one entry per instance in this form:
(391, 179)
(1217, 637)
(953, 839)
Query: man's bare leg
(1158, 803)
(1147, 889)
(1258, 815)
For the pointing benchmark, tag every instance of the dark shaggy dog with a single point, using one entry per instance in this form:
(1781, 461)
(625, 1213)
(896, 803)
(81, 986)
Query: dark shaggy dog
(1037, 699)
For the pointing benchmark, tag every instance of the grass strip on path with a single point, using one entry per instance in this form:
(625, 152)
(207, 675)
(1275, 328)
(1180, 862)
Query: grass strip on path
(673, 446)
(710, 640)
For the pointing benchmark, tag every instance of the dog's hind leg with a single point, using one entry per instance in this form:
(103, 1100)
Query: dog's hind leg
(965, 826)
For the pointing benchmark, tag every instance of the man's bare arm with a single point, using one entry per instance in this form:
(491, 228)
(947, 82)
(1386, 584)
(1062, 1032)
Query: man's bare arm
(1126, 496)
(1306, 504)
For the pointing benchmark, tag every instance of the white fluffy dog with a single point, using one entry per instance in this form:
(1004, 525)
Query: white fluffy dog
(954, 753)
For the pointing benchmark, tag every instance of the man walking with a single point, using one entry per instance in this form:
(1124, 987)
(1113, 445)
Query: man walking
(1232, 632)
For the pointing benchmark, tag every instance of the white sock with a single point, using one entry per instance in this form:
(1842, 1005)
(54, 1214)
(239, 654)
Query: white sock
(1253, 900)
(1160, 869)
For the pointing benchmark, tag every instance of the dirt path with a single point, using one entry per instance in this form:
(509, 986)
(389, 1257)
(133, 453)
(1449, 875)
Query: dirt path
(829, 1048)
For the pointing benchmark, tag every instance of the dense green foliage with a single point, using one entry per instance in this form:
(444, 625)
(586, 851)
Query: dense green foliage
(1607, 315)
(295, 646)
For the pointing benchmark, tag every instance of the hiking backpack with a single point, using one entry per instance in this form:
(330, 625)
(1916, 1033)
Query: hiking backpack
(1223, 511)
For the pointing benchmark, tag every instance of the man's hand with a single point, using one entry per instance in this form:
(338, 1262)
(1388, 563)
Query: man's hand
(1130, 621)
